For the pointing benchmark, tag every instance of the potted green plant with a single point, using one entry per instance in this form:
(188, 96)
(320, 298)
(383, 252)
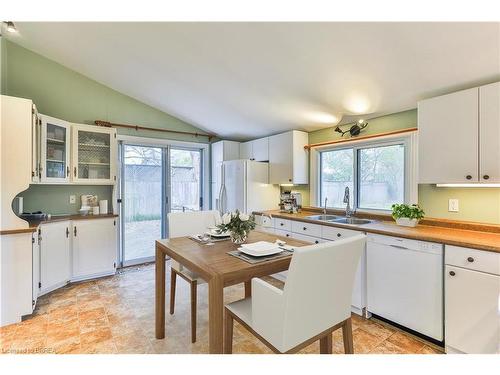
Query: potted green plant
(237, 224)
(407, 215)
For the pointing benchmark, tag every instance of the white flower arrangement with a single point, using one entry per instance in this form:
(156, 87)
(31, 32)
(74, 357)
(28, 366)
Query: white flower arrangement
(238, 224)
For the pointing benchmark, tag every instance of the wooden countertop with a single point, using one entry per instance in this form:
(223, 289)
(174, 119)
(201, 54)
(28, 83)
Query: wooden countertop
(33, 225)
(482, 240)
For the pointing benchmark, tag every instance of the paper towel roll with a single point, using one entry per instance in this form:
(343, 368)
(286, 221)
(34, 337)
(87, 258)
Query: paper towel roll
(103, 207)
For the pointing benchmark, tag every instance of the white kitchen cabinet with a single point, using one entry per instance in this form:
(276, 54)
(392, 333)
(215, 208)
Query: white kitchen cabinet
(36, 132)
(310, 239)
(94, 248)
(459, 136)
(55, 150)
(94, 150)
(246, 150)
(35, 269)
(55, 255)
(257, 150)
(472, 292)
(16, 283)
(489, 133)
(288, 160)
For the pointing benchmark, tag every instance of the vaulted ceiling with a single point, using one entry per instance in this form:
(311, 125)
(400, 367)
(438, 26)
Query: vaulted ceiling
(244, 80)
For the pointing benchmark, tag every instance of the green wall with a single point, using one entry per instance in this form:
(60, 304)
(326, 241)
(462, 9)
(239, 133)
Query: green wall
(54, 199)
(63, 93)
(395, 121)
(475, 204)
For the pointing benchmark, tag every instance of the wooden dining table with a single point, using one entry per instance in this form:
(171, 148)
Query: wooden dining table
(219, 269)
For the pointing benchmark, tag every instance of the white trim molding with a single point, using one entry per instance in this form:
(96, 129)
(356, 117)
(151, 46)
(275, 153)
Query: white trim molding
(411, 164)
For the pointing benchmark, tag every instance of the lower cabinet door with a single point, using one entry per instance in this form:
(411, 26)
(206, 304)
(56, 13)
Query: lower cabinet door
(472, 321)
(55, 255)
(94, 248)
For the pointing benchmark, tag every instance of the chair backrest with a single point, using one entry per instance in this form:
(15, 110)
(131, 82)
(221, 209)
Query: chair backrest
(318, 289)
(188, 223)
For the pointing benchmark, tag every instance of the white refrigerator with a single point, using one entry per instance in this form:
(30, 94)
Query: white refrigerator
(244, 186)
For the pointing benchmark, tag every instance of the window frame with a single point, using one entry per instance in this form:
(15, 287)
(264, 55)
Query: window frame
(409, 141)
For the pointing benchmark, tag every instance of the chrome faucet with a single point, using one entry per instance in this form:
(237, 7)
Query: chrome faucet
(348, 211)
(324, 209)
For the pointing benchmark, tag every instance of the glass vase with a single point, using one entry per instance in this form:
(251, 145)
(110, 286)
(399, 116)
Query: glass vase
(238, 238)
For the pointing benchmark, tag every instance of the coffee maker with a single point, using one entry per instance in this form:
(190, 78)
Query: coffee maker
(290, 202)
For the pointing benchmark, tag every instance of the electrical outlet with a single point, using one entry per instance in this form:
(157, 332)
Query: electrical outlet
(453, 205)
(72, 199)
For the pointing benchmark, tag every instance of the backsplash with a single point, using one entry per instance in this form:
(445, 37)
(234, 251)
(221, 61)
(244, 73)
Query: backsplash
(54, 199)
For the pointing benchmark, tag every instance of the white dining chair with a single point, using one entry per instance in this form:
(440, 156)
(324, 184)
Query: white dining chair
(315, 301)
(182, 224)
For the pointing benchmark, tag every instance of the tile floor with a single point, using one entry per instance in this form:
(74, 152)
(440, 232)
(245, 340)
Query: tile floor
(116, 315)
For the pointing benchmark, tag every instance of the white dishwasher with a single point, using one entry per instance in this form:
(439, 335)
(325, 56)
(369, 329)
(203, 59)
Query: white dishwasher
(405, 283)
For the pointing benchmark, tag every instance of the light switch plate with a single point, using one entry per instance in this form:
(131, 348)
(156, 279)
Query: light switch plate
(453, 205)
(72, 199)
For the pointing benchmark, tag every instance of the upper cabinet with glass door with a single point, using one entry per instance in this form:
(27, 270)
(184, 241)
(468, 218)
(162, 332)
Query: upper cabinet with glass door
(94, 154)
(55, 155)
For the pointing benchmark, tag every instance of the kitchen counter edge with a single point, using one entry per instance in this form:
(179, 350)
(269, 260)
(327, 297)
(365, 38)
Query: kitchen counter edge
(479, 240)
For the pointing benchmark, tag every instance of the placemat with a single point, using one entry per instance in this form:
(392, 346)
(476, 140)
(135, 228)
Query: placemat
(253, 260)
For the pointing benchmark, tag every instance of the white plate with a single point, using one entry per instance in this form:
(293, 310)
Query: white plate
(260, 249)
(213, 233)
(260, 246)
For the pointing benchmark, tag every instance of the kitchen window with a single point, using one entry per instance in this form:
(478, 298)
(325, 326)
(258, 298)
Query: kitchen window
(378, 174)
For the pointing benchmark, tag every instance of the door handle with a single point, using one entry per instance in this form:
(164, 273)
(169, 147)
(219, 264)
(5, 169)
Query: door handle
(74, 171)
(74, 231)
(67, 232)
(67, 171)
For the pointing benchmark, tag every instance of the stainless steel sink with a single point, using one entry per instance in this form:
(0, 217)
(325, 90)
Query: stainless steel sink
(352, 220)
(323, 217)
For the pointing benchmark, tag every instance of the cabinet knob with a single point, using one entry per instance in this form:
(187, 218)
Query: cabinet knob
(486, 177)
(289, 180)
(452, 273)
(282, 224)
(287, 235)
(468, 177)
(470, 259)
(338, 234)
(304, 228)
(316, 242)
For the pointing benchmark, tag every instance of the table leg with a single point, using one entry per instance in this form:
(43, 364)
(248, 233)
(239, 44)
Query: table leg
(215, 315)
(160, 294)
(248, 289)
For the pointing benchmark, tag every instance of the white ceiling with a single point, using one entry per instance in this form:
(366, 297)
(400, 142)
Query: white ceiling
(243, 80)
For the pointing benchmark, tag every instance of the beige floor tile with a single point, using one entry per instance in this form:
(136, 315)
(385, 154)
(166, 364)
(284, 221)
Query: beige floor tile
(406, 342)
(116, 315)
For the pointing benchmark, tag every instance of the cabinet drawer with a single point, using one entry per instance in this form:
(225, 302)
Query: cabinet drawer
(283, 233)
(332, 233)
(313, 230)
(311, 239)
(479, 260)
(282, 224)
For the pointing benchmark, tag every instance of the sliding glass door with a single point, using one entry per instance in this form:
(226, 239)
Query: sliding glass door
(185, 180)
(155, 180)
(142, 201)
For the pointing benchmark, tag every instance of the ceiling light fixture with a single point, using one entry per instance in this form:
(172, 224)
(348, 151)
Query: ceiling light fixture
(11, 28)
(354, 129)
